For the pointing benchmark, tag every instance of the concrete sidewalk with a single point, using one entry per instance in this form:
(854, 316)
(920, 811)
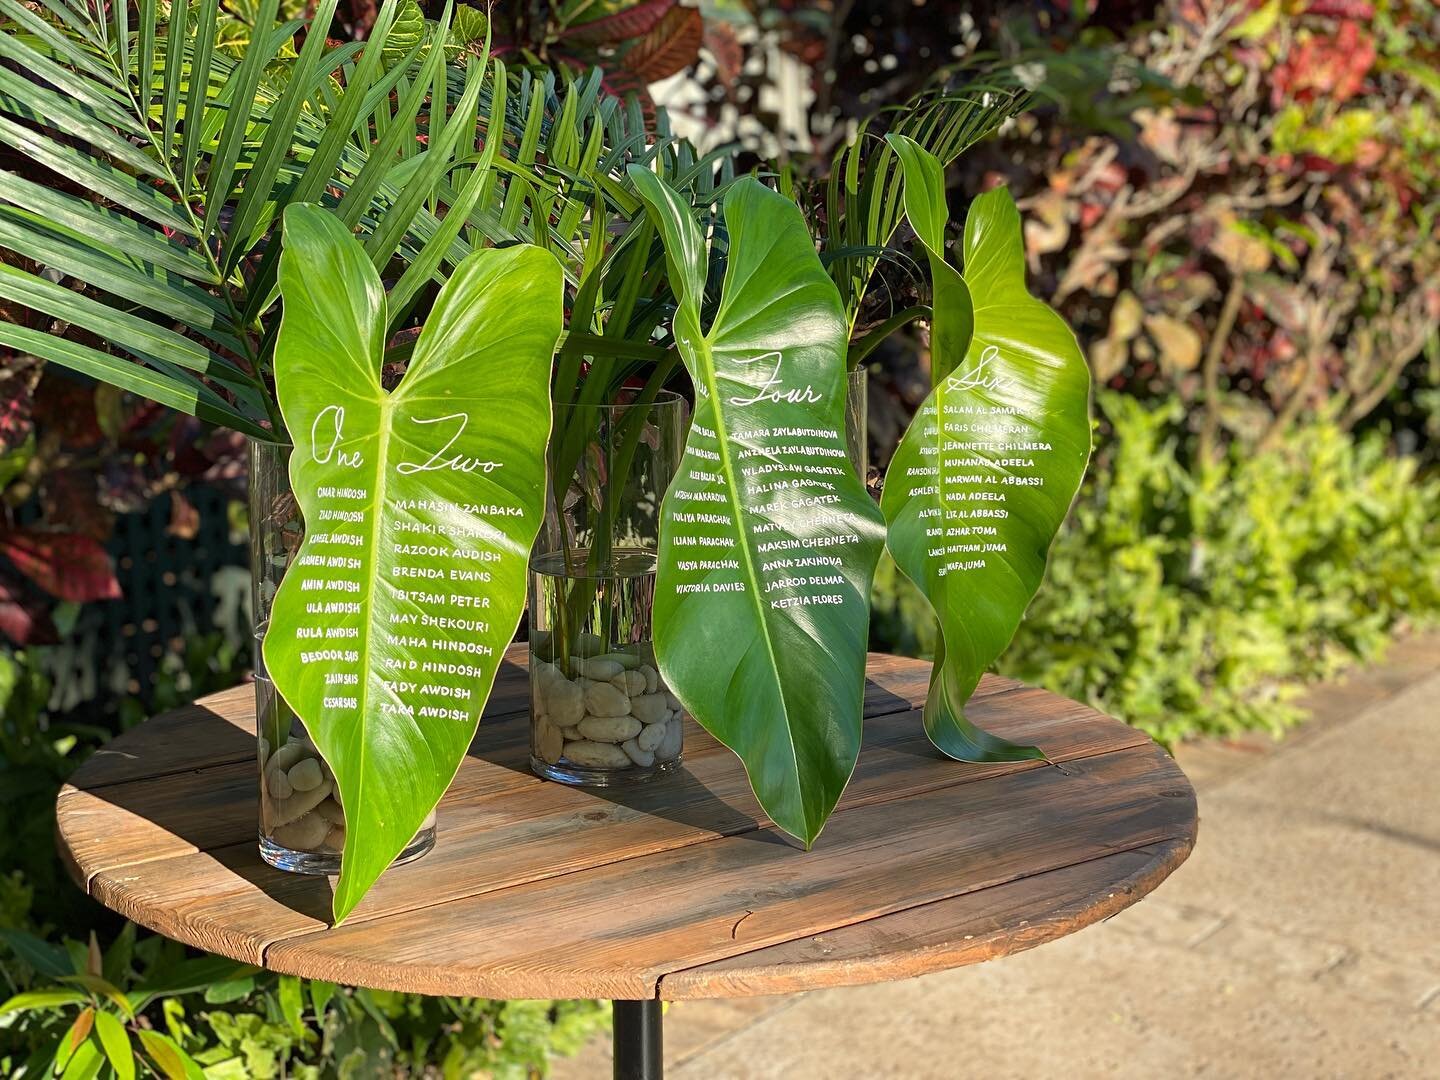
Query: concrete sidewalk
(1301, 939)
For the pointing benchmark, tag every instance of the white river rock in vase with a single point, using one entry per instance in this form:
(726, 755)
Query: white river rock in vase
(611, 712)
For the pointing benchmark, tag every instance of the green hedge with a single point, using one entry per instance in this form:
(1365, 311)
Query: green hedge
(1198, 601)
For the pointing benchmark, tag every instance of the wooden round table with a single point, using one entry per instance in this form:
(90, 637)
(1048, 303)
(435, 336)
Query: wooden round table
(675, 889)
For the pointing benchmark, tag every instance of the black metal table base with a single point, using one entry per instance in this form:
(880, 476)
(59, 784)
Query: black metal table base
(639, 1047)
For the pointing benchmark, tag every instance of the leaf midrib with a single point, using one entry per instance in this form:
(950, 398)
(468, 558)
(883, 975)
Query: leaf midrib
(722, 440)
(385, 406)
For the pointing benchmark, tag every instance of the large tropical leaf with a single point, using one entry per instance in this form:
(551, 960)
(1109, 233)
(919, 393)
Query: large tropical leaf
(986, 473)
(421, 505)
(768, 540)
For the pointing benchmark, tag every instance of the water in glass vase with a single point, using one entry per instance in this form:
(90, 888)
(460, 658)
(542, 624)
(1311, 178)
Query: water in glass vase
(600, 713)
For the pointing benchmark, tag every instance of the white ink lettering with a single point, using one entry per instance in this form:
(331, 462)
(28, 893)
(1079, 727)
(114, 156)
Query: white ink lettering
(458, 463)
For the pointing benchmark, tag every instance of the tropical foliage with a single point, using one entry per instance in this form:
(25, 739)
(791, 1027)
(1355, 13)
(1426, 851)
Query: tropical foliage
(781, 684)
(484, 355)
(1194, 605)
(167, 214)
(1271, 253)
(1237, 213)
(985, 473)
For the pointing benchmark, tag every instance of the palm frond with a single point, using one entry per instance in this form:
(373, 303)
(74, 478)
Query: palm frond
(863, 198)
(159, 168)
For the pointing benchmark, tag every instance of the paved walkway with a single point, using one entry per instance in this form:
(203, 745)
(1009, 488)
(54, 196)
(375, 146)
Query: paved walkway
(1301, 939)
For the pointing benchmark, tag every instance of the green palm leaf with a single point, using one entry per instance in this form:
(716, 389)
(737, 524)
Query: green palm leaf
(179, 160)
(864, 206)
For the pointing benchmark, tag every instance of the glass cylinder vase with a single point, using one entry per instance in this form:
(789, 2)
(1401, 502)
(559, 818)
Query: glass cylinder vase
(857, 435)
(599, 712)
(302, 824)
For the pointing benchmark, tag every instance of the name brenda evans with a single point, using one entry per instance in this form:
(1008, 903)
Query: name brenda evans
(436, 573)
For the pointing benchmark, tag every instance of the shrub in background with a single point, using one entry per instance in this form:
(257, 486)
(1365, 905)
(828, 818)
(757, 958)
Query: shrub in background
(144, 1008)
(1264, 247)
(1195, 602)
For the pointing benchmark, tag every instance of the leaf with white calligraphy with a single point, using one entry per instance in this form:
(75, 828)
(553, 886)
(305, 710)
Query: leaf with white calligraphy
(768, 539)
(983, 478)
(420, 506)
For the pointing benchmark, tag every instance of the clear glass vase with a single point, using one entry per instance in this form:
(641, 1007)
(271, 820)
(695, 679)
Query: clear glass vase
(857, 438)
(302, 825)
(599, 712)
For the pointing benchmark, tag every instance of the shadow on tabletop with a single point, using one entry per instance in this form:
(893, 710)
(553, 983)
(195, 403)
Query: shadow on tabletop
(213, 810)
(679, 796)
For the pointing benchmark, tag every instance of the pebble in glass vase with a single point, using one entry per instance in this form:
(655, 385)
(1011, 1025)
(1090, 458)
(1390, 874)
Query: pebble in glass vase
(302, 824)
(600, 713)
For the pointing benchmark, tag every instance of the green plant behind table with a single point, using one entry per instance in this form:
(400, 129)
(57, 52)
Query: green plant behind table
(1273, 254)
(142, 1007)
(1196, 604)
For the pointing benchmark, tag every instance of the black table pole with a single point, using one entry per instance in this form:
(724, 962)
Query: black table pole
(638, 1045)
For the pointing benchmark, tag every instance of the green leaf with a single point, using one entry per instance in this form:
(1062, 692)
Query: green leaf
(452, 459)
(145, 65)
(74, 1038)
(387, 237)
(409, 30)
(1258, 23)
(862, 211)
(321, 993)
(242, 83)
(116, 1043)
(144, 339)
(202, 59)
(59, 42)
(191, 976)
(107, 226)
(279, 135)
(102, 988)
(172, 1062)
(46, 108)
(770, 672)
(32, 1000)
(100, 98)
(471, 27)
(85, 1063)
(222, 993)
(418, 273)
(96, 264)
(97, 175)
(167, 388)
(47, 959)
(986, 472)
(292, 1003)
(925, 207)
(116, 965)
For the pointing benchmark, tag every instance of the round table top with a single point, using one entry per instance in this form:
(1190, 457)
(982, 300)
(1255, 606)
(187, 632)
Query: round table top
(679, 888)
